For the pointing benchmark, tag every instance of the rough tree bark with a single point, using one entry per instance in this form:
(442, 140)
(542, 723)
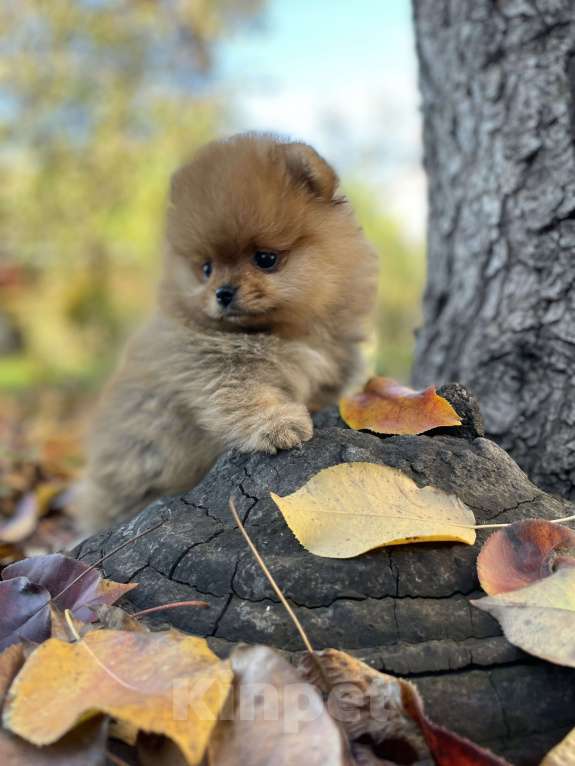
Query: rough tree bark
(403, 609)
(497, 78)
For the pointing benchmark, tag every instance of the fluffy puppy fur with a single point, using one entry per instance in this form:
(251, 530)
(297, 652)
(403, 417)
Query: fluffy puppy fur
(260, 218)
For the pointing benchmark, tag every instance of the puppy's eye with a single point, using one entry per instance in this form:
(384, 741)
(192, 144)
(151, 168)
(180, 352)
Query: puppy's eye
(207, 269)
(265, 259)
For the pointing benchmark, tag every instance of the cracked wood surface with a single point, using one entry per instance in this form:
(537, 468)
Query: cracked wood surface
(404, 609)
(497, 80)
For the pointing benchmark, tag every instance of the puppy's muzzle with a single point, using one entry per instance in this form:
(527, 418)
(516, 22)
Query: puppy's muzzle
(225, 295)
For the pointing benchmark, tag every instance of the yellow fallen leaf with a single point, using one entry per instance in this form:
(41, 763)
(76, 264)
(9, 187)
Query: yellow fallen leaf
(85, 745)
(165, 683)
(350, 508)
(386, 407)
(540, 618)
(562, 754)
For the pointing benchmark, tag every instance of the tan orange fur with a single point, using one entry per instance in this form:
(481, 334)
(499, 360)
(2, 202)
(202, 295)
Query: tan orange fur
(197, 379)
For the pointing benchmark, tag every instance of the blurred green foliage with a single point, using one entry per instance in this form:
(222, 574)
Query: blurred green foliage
(99, 101)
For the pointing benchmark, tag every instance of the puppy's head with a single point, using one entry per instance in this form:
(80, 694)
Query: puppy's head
(257, 239)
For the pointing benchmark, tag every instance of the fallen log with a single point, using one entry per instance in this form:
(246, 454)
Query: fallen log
(403, 609)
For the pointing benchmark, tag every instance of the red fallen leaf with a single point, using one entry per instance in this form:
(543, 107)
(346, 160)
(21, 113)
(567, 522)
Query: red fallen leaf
(30, 585)
(23, 611)
(386, 407)
(447, 748)
(522, 553)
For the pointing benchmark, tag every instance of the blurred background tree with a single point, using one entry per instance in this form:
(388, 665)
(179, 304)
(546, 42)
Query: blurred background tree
(99, 101)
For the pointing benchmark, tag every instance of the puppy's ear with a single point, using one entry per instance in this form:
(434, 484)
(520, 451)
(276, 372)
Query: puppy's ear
(310, 170)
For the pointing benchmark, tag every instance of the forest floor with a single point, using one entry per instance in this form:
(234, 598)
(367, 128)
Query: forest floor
(41, 454)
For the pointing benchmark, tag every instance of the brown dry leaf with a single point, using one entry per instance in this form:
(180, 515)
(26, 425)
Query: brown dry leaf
(9, 554)
(83, 746)
(124, 731)
(367, 704)
(110, 591)
(383, 716)
(562, 754)
(277, 717)
(115, 618)
(540, 618)
(11, 660)
(386, 407)
(350, 508)
(523, 553)
(159, 751)
(164, 682)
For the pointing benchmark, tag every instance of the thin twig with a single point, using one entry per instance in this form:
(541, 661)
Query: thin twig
(270, 578)
(171, 605)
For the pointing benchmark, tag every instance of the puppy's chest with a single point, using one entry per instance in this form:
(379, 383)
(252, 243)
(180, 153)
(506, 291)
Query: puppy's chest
(318, 374)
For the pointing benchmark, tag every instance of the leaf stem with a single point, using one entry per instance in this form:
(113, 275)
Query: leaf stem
(508, 524)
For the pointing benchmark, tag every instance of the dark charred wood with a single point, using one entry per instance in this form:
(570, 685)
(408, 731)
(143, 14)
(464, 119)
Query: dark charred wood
(405, 609)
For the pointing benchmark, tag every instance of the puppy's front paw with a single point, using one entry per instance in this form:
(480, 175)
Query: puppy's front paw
(283, 427)
(292, 428)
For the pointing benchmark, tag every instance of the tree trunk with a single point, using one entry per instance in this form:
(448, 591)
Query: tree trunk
(497, 79)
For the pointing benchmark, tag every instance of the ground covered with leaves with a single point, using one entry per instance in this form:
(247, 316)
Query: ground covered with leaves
(82, 681)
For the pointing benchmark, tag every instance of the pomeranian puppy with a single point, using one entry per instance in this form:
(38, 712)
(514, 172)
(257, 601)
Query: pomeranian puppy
(267, 293)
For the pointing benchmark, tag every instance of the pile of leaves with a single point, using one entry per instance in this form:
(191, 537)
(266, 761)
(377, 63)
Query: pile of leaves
(79, 676)
(82, 681)
(40, 455)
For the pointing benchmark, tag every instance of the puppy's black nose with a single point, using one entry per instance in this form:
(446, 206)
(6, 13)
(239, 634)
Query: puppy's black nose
(225, 295)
